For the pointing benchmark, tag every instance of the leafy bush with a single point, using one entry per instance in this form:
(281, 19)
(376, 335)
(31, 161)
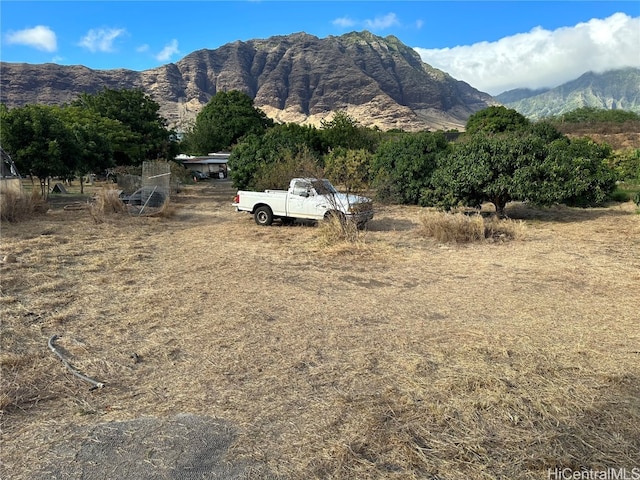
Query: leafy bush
(496, 119)
(577, 173)
(402, 166)
(620, 195)
(343, 131)
(626, 164)
(597, 115)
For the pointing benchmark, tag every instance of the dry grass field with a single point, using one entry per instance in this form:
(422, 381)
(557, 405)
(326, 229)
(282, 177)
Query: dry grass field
(396, 357)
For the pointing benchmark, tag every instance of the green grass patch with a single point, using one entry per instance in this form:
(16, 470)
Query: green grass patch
(626, 191)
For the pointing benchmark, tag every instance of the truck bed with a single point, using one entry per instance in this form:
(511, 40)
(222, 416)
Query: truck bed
(277, 200)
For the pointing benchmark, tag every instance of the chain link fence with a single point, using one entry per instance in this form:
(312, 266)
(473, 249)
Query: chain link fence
(156, 185)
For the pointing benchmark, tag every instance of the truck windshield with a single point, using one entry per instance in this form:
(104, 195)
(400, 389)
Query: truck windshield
(323, 187)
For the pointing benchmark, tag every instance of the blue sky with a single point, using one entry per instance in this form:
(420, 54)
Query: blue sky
(494, 46)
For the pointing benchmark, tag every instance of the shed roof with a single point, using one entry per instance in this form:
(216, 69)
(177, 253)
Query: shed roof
(212, 159)
(7, 167)
(204, 161)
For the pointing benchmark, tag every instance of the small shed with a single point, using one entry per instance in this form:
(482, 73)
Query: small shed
(214, 164)
(9, 177)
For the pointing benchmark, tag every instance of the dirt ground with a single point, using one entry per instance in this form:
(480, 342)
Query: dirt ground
(396, 357)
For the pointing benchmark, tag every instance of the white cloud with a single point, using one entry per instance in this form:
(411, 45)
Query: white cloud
(142, 48)
(378, 23)
(101, 39)
(344, 22)
(542, 58)
(168, 51)
(40, 38)
(382, 22)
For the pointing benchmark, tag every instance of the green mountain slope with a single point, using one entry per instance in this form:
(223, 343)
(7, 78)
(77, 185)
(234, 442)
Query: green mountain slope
(615, 89)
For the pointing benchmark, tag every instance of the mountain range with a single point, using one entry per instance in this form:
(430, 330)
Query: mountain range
(615, 89)
(293, 78)
(304, 79)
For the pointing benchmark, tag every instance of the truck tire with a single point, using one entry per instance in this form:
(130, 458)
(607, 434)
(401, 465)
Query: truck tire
(335, 214)
(263, 216)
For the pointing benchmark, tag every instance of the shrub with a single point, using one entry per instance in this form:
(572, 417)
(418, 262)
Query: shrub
(461, 228)
(620, 196)
(626, 164)
(402, 166)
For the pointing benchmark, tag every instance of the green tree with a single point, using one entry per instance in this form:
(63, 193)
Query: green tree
(223, 121)
(402, 167)
(344, 131)
(253, 155)
(546, 131)
(626, 163)
(291, 163)
(575, 172)
(496, 119)
(146, 136)
(245, 160)
(481, 168)
(39, 142)
(349, 168)
(293, 137)
(522, 166)
(92, 134)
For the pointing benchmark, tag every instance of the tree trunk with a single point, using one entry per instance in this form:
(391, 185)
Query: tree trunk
(43, 187)
(500, 204)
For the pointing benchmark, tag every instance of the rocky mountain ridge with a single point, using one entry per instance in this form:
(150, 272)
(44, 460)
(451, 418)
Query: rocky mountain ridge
(294, 78)
(615, 89)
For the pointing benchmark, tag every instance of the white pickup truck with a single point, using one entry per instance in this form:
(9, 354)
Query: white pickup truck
(307, 198)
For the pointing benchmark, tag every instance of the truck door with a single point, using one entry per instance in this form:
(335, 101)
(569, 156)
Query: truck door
(302, 201)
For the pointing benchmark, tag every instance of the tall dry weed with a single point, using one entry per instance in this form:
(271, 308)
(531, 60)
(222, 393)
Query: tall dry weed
(503, 228)
(16, 206)
(107, 202)
(167, 210)
(336, 230)
(460, 228)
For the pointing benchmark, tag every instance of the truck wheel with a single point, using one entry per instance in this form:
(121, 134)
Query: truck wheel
(334, 214)
(263, 216)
